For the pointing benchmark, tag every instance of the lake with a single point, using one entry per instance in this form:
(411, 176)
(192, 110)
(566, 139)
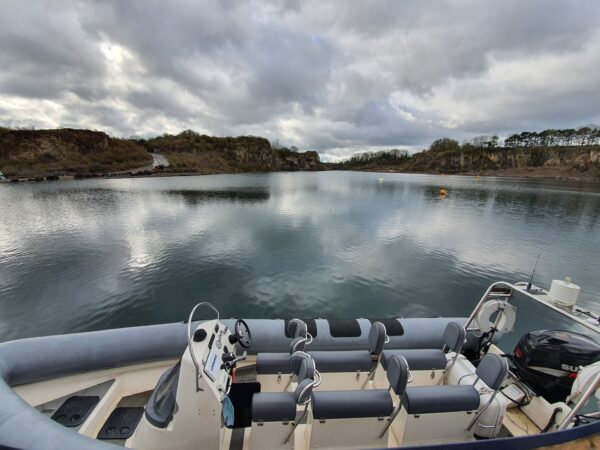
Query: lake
(94, 254)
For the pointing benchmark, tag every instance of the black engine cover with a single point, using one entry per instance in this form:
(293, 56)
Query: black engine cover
(549, 360)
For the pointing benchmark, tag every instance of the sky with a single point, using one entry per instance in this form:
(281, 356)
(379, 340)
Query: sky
(338, 77)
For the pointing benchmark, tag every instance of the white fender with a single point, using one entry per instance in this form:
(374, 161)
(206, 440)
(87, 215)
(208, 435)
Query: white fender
(507, 312)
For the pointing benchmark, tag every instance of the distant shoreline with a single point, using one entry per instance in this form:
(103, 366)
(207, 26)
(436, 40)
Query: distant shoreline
(561, 174)
(541, 174)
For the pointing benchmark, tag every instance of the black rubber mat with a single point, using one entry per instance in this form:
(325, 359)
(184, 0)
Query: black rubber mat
(392, 326)
(237, 439)
(241, 397)
(75, 410)
(311, 324)
(344, 328)
(121, 423)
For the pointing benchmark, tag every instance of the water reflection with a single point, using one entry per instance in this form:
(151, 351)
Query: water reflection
(94, 254)
(239, 195)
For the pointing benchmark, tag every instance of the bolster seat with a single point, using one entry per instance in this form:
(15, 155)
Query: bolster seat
(418, 359)
(440, 399)
(351, 404)
(272, 363)
(345, 361)
(273, 407)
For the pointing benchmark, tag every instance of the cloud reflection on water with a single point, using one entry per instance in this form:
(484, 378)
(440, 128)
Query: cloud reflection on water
(105, 253)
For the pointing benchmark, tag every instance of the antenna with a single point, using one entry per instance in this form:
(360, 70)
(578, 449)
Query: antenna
(532, 274)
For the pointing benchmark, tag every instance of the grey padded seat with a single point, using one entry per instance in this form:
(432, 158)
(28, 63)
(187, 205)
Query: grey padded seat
(492, 370)
(344, 361)
(430, 358)
(451, 398)
(418, 359)
(440, 399)
(281, 406)
(365, 403)
(328, 361)
(347, 361)
(270, 363)
(351, 404)
(273, 407)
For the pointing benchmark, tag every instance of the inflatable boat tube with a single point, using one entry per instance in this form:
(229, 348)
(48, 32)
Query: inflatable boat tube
(43, 358)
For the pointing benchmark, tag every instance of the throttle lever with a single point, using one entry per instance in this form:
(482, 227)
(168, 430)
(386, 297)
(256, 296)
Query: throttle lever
(230, 360)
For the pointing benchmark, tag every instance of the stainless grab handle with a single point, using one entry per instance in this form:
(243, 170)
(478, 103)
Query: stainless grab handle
(189, 344)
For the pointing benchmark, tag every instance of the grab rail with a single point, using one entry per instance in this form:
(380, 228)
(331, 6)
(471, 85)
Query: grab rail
(517, 287)
(581, 403)
(189, 343)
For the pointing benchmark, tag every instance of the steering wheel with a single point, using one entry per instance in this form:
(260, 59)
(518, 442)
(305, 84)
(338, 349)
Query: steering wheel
(242, 333)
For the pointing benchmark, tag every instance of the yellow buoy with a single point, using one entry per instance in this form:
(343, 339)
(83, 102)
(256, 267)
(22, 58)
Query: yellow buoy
(443, 192)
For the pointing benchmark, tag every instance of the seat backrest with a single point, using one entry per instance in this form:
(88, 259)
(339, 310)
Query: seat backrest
(302, 365)
(454, 337)
(296, 328)
(492, 370)
(303, 392)
(299, 332)
(377, 337)
(398, 373)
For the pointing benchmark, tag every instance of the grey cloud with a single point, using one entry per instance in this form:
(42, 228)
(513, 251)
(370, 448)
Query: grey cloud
(336, 76)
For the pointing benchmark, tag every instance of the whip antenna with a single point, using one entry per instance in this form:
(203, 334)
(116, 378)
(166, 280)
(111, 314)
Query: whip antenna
(532, 274)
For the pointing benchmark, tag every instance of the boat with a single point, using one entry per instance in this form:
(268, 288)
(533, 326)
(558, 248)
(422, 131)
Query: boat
(303, 384)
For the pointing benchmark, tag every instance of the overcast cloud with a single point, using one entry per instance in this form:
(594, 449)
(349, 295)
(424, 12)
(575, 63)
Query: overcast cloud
(337, 77)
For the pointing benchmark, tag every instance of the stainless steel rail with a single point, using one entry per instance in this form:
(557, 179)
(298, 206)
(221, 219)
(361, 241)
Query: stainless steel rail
(581, 403)
(521, 289)
(189, 343)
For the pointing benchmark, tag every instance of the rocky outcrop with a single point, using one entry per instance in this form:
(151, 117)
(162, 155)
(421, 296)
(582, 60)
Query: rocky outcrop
(208, 154)
(480, 160)
(66, 151)
(31, 153)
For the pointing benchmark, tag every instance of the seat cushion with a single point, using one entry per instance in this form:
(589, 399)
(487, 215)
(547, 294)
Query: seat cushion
(273, 407)
(271, 363)
(440, 399)
(351, 404)
(417, 359)
(342, 361)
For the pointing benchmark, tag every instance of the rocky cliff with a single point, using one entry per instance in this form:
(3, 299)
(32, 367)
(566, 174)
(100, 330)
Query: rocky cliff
(207, 154)
(32, 153)
(66, 151)
(581, 159)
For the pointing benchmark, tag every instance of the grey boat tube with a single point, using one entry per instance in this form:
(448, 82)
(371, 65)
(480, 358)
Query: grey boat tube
(42, 358)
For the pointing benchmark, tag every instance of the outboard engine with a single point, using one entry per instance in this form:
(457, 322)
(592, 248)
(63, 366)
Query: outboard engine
(548, 361)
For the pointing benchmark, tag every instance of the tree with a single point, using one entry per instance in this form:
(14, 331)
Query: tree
(444, 145)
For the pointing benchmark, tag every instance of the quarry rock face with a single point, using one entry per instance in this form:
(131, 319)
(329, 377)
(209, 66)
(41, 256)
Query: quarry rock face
(580, 158)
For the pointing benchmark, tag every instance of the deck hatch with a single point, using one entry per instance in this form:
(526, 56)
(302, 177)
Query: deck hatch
(121, 423)
(75, 410)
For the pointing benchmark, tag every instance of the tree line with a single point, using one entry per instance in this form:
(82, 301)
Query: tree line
(392, 156)
(555, 138)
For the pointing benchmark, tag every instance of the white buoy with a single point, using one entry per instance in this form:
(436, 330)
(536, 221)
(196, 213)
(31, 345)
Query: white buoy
(564, 293)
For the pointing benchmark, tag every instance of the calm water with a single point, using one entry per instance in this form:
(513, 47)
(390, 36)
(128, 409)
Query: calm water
(93, 254)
